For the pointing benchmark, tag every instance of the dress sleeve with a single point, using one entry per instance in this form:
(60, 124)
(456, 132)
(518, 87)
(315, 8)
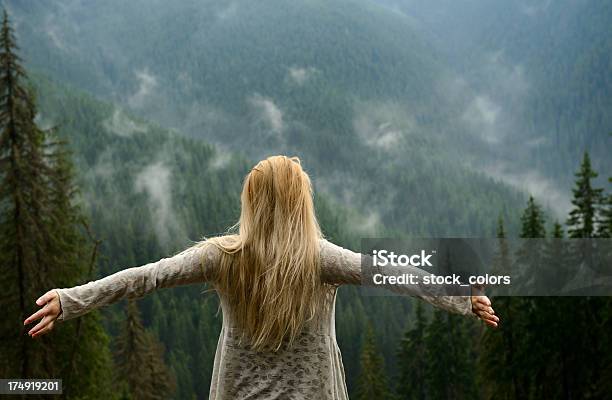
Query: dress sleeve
(193, 265)
(342, 266)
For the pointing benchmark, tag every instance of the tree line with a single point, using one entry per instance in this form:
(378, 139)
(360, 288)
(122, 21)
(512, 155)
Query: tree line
(544, 347)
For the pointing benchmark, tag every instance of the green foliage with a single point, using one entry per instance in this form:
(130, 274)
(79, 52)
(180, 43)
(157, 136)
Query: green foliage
(141, 360)
(412, 362)
(532, 221)
(42, 242)
(583, 221)
(372, 383)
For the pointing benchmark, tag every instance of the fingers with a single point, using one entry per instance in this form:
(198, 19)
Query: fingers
(487, 315)
(478, 306)
(490, 323)
(47, 304)
(489, 318)
(37, 315)
(45, 298)
(44, 330)
(42, 327)
(48, 314)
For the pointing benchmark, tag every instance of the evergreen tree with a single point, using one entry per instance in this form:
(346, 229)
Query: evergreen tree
(450, 368)
(502, 263)
(532, 221)
(530, 251)
(41, 245)
(450, 371)
(503, 349)
(585, 326)
(550, 332)
(140, 360)
(23, 194)
(529, 255)
(584, 217)
(412, 361)
(372, 381)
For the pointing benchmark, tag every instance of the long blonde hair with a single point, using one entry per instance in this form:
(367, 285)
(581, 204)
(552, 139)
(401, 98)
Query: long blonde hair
(270, 270)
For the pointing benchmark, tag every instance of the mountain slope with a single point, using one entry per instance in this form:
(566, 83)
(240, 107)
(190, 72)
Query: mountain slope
(347, 86)
(540, 70)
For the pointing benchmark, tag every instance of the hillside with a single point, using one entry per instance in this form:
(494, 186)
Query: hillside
(347, 86)
(540, 70)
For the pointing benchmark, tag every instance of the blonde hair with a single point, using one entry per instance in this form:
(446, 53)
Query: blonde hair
(270, 270)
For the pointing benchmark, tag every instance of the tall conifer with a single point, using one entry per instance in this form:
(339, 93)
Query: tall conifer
(584, 217)
(503, 349)
(412, 361)
(372, 381)
(140, 360)
(41, 245)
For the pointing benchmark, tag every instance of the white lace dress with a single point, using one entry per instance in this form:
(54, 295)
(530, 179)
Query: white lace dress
(311, 369)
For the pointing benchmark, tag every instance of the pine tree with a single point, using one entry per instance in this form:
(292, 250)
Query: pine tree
(588, 337)
(140, 360)
(41, 243)
(532, 221)
(584, 217)
(450, 364)
(501, 261)
(372, 381)
(412, 361)
(550, 332)
(23, 193)
(450, 367)
(529, 251)
(503, 349)
(529, 255)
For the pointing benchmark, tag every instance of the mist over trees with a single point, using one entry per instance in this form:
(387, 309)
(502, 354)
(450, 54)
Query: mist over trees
(138, 136)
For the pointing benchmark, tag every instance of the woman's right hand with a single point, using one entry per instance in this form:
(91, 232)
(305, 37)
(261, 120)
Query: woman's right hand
(51, 309)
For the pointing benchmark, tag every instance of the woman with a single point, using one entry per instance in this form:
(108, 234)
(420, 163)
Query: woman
(276, 279)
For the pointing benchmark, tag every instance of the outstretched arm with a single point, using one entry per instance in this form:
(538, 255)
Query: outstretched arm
(194, 265)
(343, 266)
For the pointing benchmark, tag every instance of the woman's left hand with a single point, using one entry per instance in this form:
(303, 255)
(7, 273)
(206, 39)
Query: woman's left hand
(481, 306)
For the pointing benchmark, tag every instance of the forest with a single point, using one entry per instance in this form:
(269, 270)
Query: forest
(97, 174)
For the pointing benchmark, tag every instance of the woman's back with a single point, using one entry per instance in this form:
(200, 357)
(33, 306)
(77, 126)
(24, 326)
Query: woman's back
(311, 368)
